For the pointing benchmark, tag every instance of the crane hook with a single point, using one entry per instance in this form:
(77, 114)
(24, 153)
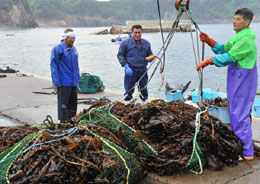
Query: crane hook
(178, 4)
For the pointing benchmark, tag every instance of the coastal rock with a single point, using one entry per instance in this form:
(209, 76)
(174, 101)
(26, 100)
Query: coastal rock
(117, 30)
(16, 14)
(101, 32)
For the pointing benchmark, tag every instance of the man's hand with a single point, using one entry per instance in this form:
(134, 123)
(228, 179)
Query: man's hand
(58, 85)
(204, 37)
(205, 63)
(128, 70)
(150, 58)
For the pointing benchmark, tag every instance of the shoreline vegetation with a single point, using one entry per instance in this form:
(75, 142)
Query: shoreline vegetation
(92, 13)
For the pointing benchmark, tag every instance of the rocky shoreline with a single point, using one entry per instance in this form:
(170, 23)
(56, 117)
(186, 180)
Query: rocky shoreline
(16, 14)
(100, 22)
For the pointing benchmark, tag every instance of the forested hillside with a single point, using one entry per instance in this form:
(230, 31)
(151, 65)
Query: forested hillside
(100, 13)
(15, 13)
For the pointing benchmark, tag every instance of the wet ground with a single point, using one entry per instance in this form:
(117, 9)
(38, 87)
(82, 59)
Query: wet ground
(6, 122)
(18, 100)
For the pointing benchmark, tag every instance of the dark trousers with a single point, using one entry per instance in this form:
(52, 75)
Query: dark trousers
(67, 102)
(130, 81)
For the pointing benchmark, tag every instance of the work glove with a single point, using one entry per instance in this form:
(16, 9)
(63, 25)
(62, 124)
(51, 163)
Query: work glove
(128, 70)
(204, 37)
(150, 58)
(205, 63)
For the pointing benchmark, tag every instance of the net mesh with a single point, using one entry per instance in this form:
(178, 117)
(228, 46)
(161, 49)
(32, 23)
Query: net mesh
(129, 170)
(8, 156)
(102, 117)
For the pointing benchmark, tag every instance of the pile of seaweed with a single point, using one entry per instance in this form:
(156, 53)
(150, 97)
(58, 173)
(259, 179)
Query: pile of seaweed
(216, 102)
(78, 158)
(169, 128)
(78, 154)
(11, 135)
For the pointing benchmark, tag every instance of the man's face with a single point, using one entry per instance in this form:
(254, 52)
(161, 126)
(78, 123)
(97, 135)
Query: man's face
(69, 41)
(239, 23)
(137, 34)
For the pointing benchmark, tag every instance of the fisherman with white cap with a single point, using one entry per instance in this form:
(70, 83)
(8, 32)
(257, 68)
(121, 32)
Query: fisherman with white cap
(65, 75)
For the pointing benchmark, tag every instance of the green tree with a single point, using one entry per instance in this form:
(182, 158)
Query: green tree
(122, 10)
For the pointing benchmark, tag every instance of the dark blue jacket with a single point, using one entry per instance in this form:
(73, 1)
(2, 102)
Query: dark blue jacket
(64, 65)
(133, 54)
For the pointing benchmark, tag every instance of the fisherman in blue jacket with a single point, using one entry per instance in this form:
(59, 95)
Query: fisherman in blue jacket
(65, 75)
(132, 56)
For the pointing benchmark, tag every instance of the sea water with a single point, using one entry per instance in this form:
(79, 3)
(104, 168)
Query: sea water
(28, 50)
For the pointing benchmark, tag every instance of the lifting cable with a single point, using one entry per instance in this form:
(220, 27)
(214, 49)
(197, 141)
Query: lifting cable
(161, 30)
(197, 56)
(166, 42)
(159, 56)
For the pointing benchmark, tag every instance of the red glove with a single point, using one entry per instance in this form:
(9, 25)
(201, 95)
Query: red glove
(207, 39)
(205, 63)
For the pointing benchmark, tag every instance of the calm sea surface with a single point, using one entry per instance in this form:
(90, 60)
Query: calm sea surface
(29, 51)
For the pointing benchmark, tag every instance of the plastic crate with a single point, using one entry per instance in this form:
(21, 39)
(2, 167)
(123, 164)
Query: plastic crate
(221, 113)
(206, 94)
(219, 94)
(174, 96)
(256, 108)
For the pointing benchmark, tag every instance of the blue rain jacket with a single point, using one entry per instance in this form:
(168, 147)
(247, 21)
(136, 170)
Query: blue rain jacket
(133, 54)
(64, 65)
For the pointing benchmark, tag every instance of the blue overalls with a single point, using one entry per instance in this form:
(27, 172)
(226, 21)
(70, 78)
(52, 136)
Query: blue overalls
(134, 55)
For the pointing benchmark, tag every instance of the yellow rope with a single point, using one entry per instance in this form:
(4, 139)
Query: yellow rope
(113, 148)
(7, 178)
(116, 119)
(133, 131)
